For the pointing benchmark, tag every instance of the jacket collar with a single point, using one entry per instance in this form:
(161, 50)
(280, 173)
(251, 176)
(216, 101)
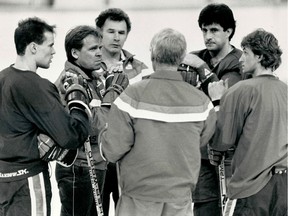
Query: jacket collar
(165, 74)
(74, 68)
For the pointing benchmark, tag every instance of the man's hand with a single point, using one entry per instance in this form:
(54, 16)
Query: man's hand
(217, 89)
(215, 157)
(193, 60)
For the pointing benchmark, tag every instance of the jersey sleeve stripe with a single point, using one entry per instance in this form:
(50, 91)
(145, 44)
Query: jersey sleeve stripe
(163, 113)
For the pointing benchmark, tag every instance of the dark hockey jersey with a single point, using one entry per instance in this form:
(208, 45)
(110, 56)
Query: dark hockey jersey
(30, 105)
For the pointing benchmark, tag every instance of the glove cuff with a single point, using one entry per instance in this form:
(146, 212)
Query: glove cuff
(79, 105)
(117, 88)
(77, 98)
(109, 96)
(216, 103)
(67, 157)
(211, 77)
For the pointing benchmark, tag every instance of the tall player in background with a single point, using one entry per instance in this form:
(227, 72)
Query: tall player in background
(115, 26)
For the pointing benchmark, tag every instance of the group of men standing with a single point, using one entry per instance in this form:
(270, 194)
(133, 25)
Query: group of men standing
(159, 137)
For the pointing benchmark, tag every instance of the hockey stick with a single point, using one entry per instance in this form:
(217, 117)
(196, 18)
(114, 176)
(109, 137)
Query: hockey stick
(118, 178)
(222, 181)
(93, 177)
(229, 207)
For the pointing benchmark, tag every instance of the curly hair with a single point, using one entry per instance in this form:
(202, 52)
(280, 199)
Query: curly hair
(264, 44)
(115, 14)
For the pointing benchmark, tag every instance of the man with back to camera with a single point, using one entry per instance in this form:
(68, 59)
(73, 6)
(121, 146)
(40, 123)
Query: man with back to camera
(155, 129)
(217, 24)
(30, 106)
(253, 118)
(115, 25)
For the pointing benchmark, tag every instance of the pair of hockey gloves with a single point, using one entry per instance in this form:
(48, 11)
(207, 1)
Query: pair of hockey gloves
(196, 72)
(116, 82)
(50, 151)
(215, 157)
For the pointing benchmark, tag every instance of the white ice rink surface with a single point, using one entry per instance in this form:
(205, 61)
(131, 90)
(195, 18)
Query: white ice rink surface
(144, 25)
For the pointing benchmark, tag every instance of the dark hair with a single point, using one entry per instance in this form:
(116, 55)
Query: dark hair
(264, 44)
(115, 14)
(219, 14)
(74, 38)
(30, 30)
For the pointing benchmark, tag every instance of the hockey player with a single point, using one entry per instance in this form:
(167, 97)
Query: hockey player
(115, 25)
(83, 46)
(155, 129)
(217, 24)
(253, 117)
(83, 49)
(31, 105)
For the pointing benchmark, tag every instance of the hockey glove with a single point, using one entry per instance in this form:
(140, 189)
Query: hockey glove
(115, 85)
(109, 75)
(49, 151)
(203, 71)
(76, 95)
(188, 74)
(215, 157)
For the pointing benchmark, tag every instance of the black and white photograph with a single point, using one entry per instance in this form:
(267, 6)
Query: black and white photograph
(143, 108)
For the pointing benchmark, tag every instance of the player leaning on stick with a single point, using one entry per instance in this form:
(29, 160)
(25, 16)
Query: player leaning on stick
(31, 105)
(83, 46)
(253, 117)
(155, 129)
(83, 51)
(218, 25)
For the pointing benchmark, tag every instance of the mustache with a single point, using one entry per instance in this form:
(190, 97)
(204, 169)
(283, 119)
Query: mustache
(208, 41)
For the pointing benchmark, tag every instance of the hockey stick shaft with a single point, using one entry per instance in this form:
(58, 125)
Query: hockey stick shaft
(118, 178)
(93, 177)
(222, 181)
